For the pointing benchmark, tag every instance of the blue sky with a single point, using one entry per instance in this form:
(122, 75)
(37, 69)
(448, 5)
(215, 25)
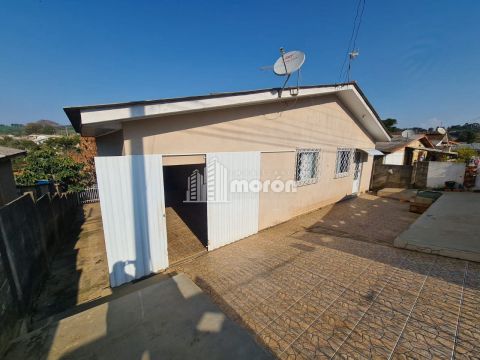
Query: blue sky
(419, 60)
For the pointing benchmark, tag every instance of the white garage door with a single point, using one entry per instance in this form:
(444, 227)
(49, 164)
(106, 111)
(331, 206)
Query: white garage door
(232, 199)
(133, 214)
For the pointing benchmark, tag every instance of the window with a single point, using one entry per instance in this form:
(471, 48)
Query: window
(344, 156)
(306, 171)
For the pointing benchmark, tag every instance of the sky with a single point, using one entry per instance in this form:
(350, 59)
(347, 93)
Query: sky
(419, 60)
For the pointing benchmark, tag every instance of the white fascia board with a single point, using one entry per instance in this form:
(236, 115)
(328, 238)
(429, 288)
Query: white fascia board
(128, 112)
(106, 117)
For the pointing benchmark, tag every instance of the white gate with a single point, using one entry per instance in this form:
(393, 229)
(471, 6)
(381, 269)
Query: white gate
(233, 185)
(133, 214)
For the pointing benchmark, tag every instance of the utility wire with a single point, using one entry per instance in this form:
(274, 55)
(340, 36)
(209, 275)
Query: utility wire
(344, 71)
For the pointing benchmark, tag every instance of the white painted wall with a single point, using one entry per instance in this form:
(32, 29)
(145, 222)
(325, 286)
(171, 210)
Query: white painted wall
(395, 158)
(133, 214)
(441, 171)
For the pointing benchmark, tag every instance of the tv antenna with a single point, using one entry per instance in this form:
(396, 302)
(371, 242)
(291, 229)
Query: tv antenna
(287, 64)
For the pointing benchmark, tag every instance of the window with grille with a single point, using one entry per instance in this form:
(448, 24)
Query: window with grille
(306, 171)
(344, 157)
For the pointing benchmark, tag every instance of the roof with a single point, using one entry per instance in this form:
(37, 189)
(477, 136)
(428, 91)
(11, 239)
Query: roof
(399, 142)
(98, 120)
(6, 152)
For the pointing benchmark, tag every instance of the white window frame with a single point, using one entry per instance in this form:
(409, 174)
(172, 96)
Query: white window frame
(307, 181)
(348, 160)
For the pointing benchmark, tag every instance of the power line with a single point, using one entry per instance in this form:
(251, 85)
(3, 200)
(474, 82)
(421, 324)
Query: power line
(345, 70)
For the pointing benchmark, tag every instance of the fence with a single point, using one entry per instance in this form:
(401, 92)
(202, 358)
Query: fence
(29, 234)
(89, 195)
(424, 174)
(395, 176)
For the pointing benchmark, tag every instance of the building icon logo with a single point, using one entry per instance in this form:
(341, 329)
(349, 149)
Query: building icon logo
(213, 188)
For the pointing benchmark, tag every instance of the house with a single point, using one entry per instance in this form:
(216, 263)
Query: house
(8, 189)
(227, 165)
(407, 150)
(441, 140)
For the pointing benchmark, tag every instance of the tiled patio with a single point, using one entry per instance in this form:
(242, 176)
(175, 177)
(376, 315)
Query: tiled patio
(305, 292)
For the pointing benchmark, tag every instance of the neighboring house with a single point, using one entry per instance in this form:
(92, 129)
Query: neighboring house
(406, 151)
(8, 189)
(441, 141)
(322, 141)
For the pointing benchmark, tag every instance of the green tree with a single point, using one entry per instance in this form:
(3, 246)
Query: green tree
(390, 124)
(465, 154)
(467, 136)
(47, 164)
(64, 143)
(36, 128)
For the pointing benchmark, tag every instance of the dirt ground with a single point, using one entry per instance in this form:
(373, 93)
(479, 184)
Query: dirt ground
(79, 271)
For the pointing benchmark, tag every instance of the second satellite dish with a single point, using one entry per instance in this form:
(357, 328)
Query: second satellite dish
(289, 62)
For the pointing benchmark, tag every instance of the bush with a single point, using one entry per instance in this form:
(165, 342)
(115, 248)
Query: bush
(465, 154)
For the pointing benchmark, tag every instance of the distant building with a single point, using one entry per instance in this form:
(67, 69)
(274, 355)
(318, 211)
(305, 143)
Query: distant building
(406, 151)
(8, 189)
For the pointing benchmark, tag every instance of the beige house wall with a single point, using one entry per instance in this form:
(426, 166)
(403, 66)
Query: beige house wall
(321, 122)
(309, 122)
(110, 144)
(277, 207)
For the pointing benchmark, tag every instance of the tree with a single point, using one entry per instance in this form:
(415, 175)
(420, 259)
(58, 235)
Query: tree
(39, 128)
(465, 154)
(47, 164)
(467, 136)
(390, 124)
(64, 143)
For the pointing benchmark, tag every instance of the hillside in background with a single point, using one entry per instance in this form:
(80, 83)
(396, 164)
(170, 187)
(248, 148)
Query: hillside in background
(43, 126)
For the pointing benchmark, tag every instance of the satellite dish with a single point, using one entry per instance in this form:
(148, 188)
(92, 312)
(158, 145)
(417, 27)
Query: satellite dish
(289, 62)
(408, 133)
(441, 130)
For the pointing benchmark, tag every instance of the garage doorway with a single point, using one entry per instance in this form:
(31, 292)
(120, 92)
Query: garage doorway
(186, 221)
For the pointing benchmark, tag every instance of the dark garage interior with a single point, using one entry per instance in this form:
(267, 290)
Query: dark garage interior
(186, 221)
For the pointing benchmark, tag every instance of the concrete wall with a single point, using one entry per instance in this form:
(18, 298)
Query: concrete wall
(8, 190)
(440, 171)
(419, 174)
(397, 176)
(29, 233)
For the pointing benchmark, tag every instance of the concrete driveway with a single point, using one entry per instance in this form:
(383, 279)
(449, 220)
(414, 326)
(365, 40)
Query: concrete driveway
(169, 319)
(305, 293)
(450, 227)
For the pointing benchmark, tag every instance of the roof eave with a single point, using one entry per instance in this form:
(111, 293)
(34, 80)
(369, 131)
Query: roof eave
(99, 119)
